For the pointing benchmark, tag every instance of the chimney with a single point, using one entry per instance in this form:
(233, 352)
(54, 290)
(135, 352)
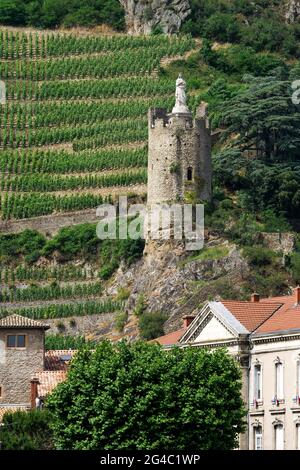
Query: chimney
(297, 295)
(187, 320)
(255, 297)
(33, 391)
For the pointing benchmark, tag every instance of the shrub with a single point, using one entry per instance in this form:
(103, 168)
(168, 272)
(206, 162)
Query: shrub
(123, 293)
(12, 12)
(26, 243)
(295, 266)
(258, 255)
(244, 229)
(209, 254)
(70, 242)
(151, 325)
(66, 342)
(32, 257)
(72, 323)
(222, 27)
(107, 271)
(25, 430)
(140, 305)
(84, 16)
(120, 321)
(271, 285)
(274, 222)
(60, 326)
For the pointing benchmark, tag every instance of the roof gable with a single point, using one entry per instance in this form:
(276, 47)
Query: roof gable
(214, 322)
(213, 330)
(17, 321)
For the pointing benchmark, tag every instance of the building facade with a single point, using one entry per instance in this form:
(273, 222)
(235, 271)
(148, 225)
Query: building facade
(27, 371)
(264, 337)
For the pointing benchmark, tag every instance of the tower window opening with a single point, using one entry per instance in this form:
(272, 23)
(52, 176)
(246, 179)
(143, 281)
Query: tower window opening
(190, 173)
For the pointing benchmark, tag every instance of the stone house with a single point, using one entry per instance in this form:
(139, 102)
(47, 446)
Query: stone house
(26, 369)
(264, 337)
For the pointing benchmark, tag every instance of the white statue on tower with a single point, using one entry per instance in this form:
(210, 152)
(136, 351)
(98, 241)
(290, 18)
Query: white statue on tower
(180, 95)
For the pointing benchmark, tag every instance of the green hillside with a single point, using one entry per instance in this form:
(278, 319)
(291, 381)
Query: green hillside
(73, 134)
(74, 128)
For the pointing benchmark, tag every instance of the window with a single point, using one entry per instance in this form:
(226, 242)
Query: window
(279, 437)
(190, 173)
(279, 380)
(15, 341)
(257, 382)
(258, 438)
(298, 380)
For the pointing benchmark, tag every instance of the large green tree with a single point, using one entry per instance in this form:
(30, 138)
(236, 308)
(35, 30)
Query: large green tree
(264, 119)
(140, 397)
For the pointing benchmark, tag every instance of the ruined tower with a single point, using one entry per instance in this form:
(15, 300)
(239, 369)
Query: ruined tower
(179, 155)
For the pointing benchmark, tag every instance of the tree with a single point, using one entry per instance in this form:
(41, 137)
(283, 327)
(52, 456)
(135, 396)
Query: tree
(12, 12)
(24, 430)
(151, 324)
(222, 27)
(84, 16)
(264, 118)
(137, 396)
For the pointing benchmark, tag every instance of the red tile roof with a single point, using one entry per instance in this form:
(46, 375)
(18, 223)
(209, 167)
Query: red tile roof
(54, 361)
(171, 338)
(56, 366)
(17, 321)
(286, 318)
(269, 315)
(252, 314)
(48, 380)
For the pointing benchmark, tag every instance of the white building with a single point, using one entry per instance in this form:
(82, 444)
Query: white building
(264, 336)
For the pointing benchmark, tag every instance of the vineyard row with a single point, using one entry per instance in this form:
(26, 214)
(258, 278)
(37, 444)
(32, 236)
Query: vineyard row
(66, 310)
(61, 161)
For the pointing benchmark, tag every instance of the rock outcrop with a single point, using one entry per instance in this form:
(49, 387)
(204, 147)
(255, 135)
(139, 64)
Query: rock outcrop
(142, 16)
(172, 281)
(292, 11)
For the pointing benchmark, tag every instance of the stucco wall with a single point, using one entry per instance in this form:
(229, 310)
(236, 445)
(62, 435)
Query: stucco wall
(266, 413)
(18, 365)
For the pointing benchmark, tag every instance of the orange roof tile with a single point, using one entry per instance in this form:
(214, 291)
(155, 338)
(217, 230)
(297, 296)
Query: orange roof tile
(269, 315)
(171, 338)
(54, 361)
(251, 314)
(18, 321)
(48, 380)
(286, 318)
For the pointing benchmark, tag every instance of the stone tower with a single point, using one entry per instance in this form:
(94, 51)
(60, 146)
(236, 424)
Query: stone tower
(179, 155)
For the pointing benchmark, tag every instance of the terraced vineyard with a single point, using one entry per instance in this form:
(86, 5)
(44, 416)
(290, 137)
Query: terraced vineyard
(63, 277)
(74, 128)
(73, 134)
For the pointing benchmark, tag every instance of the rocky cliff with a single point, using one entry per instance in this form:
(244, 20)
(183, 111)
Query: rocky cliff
(142, 16)
(292, 11)
(175, 282)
